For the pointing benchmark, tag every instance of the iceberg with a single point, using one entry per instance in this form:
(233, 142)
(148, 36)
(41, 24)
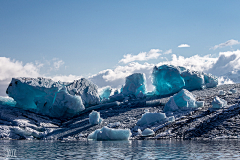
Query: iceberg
(193, 80)
(221, 93)
(210, 80)
(54, 99)
(218, 103)
(105, 92)
(109, 134)
(94, 118)
(148, 132)
(86, 89)
(151, 118)
(134, 84)
(167, 80)
(7, 101)
(171, 119)
(185, 99)
(182, 100)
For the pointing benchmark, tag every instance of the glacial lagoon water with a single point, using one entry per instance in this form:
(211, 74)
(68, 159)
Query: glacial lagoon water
(151, 149)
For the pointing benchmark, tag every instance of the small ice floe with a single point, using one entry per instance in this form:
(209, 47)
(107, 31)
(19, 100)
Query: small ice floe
(151, 118)
(94, 118)
(233, 91)
(147, 132)
(221, 93)
(171, 119)
(109, 134)
(114, 125)
(218, 103)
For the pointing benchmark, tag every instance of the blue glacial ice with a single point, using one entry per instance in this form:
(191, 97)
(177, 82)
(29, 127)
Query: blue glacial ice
(151, 118)
(134, 84)
(193, 80)
(54, 99)
(168, 79)
(218, 103)
(105, 92)
(94, 118)
(210, 80)
(147, 132)
(7, 101)
(109, 134)
(182, 100)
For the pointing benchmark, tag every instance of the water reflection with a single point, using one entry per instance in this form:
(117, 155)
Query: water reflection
(160, 149)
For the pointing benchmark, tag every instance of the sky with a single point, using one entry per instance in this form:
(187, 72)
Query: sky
(108, 40)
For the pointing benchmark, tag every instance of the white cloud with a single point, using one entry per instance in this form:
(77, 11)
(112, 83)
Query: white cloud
(230, 42)
(12, 68)
(227, 64)
(168, 51)
(143, 56)
(58, 64)
(65, 78)
(183, 45)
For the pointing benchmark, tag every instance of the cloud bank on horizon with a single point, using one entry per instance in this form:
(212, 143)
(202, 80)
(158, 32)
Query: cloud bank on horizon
(226, 66)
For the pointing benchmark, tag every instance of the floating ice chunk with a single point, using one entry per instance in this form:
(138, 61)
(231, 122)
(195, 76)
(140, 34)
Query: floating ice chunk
(146, 110)
(108, 134)
(171, 119)
(221, 93)
(200, 103)
(167, 80)
(94, 118)
(185, 99)
(7, 101)
(114, 125)
(210, 80)
(218, 102)
(147, 132)
(182, 100)
(105, 92)
(193, 80)
(170, 106)
(233, 90)
(151, 118)
(135, 84)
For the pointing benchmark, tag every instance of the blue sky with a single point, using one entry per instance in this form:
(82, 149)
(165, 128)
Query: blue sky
(85, 37)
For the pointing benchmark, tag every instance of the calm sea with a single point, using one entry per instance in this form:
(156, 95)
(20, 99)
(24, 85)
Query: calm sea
(151, 149)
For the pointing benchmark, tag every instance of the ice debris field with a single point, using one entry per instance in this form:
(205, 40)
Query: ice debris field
(43, 109)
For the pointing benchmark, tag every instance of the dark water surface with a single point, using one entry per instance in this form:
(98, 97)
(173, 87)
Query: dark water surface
(151, 149)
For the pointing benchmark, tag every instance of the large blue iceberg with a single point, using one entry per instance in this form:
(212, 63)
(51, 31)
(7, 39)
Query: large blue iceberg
(135, 84)
(54, 99)
(168, 79)
(109, 134)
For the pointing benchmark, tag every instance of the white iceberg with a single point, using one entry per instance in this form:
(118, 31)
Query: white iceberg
(109, 134)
